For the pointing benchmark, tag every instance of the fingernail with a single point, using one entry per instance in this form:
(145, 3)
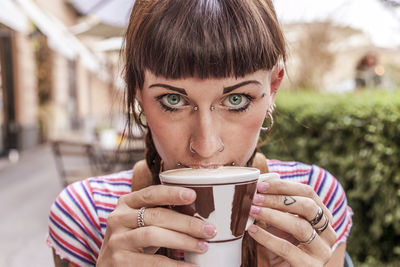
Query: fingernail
(258, 199)
(187, 194)
(262, 187)
(254, 210)
(209, 229)
(203, 246)
(252, 228)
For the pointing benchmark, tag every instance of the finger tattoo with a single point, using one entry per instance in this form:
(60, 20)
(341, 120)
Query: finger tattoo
(289, 200)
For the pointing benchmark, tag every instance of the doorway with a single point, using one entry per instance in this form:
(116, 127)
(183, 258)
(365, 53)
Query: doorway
(8, 124)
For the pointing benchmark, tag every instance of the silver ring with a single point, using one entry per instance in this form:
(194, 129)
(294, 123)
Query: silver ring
(222, 149)
(323, 227)
(191, 149)
(140, 217)
(317, 217)
(314, 234)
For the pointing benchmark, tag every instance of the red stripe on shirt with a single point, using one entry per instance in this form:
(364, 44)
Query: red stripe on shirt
(65, 226)
(122, 179)
(330, 191)
(339, 220)
(83, 205)
(108, 191)
(73, 214)
(319, 180)
(339, 201)
(69, 246)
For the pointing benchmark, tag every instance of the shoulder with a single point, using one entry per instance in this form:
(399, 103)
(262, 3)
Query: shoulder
(78, 216)
(291, 170)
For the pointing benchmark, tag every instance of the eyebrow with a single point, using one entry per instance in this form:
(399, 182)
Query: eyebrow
(225, 91)
(169, 87)
(233, 87)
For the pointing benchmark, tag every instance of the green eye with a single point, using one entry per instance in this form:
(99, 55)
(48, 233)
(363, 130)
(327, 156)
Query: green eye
(237, 102)
(235, 99)
(173, 99)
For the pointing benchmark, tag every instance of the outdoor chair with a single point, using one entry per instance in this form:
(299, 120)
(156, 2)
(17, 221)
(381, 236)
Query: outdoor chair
(78, 160)
(74, 160)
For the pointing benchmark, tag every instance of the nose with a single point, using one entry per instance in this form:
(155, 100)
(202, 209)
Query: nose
(205, 140)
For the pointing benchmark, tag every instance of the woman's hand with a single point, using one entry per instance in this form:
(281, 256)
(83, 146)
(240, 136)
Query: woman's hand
(127, 244)
(288, 208)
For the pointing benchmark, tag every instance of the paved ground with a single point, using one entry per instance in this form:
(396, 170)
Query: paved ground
(27, 189)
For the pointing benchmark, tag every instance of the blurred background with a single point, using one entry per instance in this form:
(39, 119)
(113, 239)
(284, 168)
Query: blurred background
(62, 111)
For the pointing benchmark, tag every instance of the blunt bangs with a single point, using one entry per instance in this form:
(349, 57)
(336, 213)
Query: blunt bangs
(202, 38)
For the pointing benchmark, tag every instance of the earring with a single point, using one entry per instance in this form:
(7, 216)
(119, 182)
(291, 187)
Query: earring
(271, 118)
(196, 108)
(179, 164)
(212, 108)
(142, 119)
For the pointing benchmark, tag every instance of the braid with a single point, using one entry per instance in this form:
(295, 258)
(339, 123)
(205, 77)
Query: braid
(153, 159)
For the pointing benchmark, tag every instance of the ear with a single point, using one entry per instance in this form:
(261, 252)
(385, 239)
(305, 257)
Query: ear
(277, 74)
(139, 97)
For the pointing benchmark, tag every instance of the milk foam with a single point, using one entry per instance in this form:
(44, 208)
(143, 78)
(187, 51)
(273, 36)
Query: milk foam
(219, 172)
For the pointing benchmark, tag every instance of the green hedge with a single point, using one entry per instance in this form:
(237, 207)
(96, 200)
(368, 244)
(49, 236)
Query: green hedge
(356, 137)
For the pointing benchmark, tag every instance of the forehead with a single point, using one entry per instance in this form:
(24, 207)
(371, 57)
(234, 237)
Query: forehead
(261, 76)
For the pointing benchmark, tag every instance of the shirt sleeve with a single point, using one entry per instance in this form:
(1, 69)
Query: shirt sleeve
(333, 196)
(74, 230)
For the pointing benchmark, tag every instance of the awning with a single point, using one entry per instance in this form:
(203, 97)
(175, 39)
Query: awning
(110, 44)
(12, 17)
(115, 13)
(59, 38)
(91, 25)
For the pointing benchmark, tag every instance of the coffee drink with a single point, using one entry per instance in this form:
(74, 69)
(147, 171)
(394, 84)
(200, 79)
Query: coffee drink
(224, 197)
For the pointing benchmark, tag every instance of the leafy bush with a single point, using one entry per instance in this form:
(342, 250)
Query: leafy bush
(356, 137)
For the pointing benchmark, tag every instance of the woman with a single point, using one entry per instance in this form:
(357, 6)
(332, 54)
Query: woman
(205, 74)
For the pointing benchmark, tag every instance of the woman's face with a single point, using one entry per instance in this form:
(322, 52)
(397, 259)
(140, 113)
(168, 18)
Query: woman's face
(208, 115)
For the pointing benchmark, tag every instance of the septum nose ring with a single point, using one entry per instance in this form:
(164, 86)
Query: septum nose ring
(194, 151)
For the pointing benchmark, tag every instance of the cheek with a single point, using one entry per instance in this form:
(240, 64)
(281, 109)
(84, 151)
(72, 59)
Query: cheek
(243, 137)
(168, 136)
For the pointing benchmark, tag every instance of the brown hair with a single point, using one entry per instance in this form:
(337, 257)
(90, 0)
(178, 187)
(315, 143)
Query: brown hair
(202, 38)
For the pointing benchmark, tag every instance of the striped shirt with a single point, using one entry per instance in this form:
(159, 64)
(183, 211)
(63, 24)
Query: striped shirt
(78, 217)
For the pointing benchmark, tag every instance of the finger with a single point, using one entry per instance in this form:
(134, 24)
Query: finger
(158, 195)
(303, 206)
(152, 236)
(281, 247)
(161, 217)
(296, 226)
(328, 234)
(129, 259)
(289, 188)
